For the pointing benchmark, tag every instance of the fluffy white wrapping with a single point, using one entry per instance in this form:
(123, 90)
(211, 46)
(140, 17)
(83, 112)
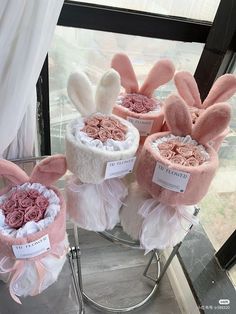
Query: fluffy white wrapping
(28, 282)
(89, 162)
(156, 225)
(95, 206)
(31, 226)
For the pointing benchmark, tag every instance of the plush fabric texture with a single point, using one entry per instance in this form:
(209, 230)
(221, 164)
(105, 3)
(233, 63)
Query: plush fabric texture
(198, 184)
(30, 276)
(89, 163)
(156, 116)
(161, 73)
(223, 88)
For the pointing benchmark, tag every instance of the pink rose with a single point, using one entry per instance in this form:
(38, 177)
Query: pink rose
(104, 135)
(107, 124)
(9, 206)
(167, 154)
(184, 151)
(33, 213)
(91, 131)
(178, 159)
(119, 125)
(166, 146)
(198, 155)
(149, 103)
(33, 194)
(15, 219)
(26, 202)
(193, 162)
(118, 135)
(20, 195)
(92, 121)
(41, 202)
(139, 108)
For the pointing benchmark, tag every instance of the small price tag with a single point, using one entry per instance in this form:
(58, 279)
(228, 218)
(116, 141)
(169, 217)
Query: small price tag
(170, 179)
(32, 249)
(119, 168)
(144, 126)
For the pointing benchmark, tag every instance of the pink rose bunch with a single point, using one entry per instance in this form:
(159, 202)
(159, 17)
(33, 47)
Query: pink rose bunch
(24, 206)
(180, 153)
(104, 128)
(139, 103)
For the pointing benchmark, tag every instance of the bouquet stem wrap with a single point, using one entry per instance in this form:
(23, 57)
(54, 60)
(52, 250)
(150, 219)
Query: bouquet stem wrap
(95, 206)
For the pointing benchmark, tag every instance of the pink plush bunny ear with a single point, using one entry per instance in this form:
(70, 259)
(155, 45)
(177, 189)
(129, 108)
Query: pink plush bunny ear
(161, 73)
(213, 121)
(188, 89)
(223, 88)
(177, 116)
(122, 64)
(12, 172)
(49, 170)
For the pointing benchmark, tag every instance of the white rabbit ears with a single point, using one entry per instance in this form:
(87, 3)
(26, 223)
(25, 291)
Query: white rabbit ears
(223, 88)
(80, 91)
(161, 73)
(213, 121)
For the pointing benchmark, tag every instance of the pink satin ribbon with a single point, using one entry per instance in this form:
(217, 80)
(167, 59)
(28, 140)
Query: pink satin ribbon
(18, 268)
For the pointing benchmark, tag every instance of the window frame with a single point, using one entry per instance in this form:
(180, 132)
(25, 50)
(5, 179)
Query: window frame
(217, 58)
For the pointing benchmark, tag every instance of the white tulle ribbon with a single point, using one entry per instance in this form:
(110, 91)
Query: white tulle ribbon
(31, 277)
(95, 206)
(164, 226)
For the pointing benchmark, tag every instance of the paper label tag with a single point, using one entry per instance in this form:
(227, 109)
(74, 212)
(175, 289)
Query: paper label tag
(144, 126)
(32, 249)
(119, 168)
(170, 179)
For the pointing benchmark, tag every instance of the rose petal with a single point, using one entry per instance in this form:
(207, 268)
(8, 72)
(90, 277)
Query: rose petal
(193, 162)
(167, 154)
(15, 219)
(178, 159)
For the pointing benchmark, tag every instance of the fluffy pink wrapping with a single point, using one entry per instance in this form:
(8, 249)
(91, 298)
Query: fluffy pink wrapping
(48, 170)
(156, 117)
(198, 184)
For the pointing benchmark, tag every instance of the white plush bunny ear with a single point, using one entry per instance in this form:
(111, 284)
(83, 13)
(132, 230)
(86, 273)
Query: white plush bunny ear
(213, 121)
(122, 64)
(223, 88)
(161, 73)
(107, 91)
(188, 89)
(80, 91)
(177, 116)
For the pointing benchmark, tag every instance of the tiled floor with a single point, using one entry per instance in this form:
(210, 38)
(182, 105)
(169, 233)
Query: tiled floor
(112, 275)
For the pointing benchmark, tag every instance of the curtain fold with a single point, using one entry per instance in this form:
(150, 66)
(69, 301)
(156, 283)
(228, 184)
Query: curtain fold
(26, 30)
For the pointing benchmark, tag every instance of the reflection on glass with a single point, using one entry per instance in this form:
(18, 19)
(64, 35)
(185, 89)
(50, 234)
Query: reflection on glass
(194, 9)
(91, 51)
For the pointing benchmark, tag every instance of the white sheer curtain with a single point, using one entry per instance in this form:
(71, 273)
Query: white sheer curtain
(26, 30)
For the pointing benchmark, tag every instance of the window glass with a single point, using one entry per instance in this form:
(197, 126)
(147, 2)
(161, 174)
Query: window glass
(194, 9)
(91, 51)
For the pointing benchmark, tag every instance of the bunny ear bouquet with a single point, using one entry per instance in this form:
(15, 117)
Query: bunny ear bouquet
(222, 90)
(138, 104)
(176, 168)
(100, 148)
(33, 240)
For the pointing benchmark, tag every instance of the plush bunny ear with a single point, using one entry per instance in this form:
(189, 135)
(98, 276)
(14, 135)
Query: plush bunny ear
(188, 89)
(223, 88)
(161, 73)
(122, 64)
(49, 170)
(107, 91)
(80, 91)
(213, 121)
(177, 116)
(12, 172)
